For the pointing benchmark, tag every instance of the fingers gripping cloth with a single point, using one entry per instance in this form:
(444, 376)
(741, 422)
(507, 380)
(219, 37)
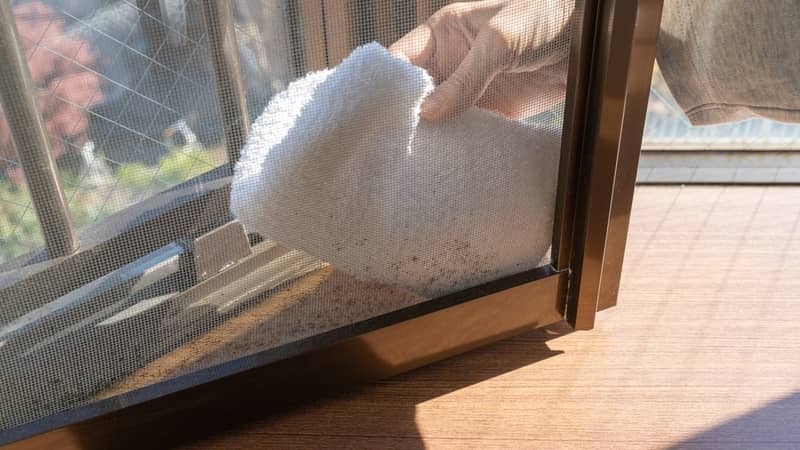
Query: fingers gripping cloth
(340, 166)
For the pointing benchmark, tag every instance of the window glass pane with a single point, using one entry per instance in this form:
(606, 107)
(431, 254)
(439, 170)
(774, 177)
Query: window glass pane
(667, 128)
(128, 94)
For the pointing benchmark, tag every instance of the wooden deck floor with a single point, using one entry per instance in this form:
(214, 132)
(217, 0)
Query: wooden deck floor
(703, 351)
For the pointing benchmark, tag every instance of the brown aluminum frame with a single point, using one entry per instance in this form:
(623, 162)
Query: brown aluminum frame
(604, 118)
(607, 127)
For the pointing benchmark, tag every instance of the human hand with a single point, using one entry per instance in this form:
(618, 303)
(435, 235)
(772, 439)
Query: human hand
(497, 54)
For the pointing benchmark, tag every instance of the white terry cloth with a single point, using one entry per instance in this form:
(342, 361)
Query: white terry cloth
(340, 166)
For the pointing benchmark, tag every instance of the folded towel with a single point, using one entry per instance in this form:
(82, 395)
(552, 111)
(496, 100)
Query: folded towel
(340, 166)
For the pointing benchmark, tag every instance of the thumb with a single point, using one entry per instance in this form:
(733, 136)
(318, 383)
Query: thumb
(464, 87)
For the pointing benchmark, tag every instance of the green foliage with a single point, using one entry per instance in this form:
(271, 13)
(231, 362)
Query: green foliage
(179, 166)
(175, 167)
(19, 229)
(91, 200)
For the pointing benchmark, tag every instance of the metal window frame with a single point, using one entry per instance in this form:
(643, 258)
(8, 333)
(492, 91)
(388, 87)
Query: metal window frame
(610, 68)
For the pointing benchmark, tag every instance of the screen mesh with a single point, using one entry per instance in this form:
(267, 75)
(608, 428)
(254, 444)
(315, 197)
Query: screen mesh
(127, 90)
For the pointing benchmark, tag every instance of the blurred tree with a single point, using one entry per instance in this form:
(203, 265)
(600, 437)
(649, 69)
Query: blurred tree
(66, 86)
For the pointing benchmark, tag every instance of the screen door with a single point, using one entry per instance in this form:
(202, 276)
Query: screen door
(239, 179)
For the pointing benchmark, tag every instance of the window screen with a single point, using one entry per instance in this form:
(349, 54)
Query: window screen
(348, 212)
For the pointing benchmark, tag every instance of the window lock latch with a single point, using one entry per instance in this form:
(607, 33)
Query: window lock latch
(219, 250)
